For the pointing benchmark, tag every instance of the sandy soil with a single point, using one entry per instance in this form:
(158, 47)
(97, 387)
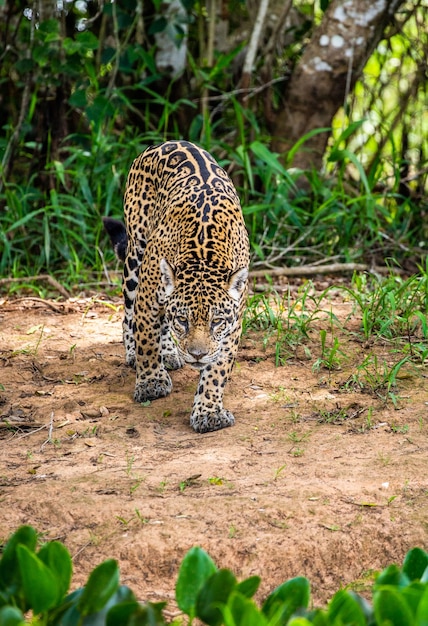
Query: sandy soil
(315, 479)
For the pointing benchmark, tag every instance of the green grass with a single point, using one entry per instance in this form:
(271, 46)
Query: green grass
(59, 230)
(285, 320)
(390, 343)
(393, 307)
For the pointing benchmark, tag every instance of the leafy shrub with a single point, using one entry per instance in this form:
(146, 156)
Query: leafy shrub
(38, 581)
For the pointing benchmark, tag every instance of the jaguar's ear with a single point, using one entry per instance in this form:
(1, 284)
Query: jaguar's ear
(167, 277)
(237, 283)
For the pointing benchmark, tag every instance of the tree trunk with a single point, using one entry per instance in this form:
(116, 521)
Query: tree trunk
(327, 71)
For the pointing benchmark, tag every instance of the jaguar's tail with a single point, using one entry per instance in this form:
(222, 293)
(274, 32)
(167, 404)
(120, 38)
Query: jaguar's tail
(117, 233)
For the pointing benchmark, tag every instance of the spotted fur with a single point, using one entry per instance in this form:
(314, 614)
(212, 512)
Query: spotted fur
(186, 256)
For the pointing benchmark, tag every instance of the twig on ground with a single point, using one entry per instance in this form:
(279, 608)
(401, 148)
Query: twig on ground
(49, 439)
(81, 550)
(46, 277)
(51, 305)
(16, 425)
(331, 268)
(36, 430)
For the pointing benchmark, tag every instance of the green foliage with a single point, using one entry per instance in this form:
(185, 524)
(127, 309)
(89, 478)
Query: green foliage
(83, 96)
(38, 582)
(330, 358)
(392, 310)
(197, 566)
(392, 307)
(286, 320)
(60, 231)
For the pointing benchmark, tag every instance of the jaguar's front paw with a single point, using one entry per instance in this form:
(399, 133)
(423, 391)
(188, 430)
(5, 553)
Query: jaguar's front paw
(172, 361)
(208, 421)
(130, 359)
(152, 388)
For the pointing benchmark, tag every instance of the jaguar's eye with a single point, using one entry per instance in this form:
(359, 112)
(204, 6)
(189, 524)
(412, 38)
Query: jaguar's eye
(217, 323)
(181, 322)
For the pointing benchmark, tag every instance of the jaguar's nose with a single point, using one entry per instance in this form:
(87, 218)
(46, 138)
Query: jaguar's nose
(197, 352)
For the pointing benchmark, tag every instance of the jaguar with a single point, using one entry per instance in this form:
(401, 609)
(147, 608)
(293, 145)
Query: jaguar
(185, 253)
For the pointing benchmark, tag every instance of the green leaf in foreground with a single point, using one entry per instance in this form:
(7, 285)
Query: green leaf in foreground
(196, 567)
(415, 563)
(391, 608)
(135, 614)
(9, 567)
(392, 575)
(287, 598)
(422, 612)
(103, 581)
(11, 616)
(241, 611)
(38, 581)
(249, 586)
(68, 614)
(56, 556)
(214, 593)
(344, 609)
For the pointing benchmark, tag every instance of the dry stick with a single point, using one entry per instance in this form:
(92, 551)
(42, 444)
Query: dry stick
(212, 12)
(254, 44)
(50, 279)
(44, 302)
(49, 439)
(12, 425)
(36, 430)
(115, 71)
(310, 270)
(80, 550)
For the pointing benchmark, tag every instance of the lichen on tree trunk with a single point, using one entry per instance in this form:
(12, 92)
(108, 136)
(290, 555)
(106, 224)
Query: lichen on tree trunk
(331, 64)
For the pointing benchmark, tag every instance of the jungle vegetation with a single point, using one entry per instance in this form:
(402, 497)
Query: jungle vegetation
(316, 108)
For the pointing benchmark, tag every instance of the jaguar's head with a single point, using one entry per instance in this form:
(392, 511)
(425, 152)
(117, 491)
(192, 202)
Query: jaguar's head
(203, 307)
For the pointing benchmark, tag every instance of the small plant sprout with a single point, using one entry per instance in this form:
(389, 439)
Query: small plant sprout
(189, 482)
(329, 358)
(280, 396)
(215, 480)
(298, 438)
(40, 329)
(369, 418)
(400, 429)
(162, 486)
(130, 460)
(232, 531)
(72, 351)
(279, 471)
(297, 452)
(143, 520)
(137, 482)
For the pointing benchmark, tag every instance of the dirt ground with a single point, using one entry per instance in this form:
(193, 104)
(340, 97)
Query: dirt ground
(314, 479)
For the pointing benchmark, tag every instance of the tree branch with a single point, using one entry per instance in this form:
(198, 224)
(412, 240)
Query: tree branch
(313, 270)
(254, 44)
(43, 277)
